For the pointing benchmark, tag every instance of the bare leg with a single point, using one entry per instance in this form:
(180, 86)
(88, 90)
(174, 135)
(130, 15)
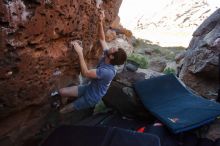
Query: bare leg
(67, 109)
(69, 91)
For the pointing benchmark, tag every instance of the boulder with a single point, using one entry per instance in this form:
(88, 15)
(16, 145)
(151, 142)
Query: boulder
(119, 29)
(213, 132)
(121, 43)
(110, 35)
(180, 56)
(122, 96)
(171, 65)
(128, 78)
(200, 65)
(149, 73)
(157, 65)
(35, 57)
(125, 101)
(116, 23)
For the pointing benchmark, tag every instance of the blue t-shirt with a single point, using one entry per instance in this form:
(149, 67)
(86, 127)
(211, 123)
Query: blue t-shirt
(99, 86)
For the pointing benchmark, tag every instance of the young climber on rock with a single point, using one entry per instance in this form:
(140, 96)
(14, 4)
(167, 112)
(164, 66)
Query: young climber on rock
(89, 95)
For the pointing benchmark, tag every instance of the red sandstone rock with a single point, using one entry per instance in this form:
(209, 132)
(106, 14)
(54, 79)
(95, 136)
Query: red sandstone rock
(110, 35)
(34, 39)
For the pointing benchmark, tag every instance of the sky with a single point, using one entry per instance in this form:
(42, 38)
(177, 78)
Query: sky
(131, 10)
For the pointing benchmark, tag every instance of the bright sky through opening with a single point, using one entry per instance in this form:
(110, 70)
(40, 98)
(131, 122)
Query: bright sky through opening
(132, 10)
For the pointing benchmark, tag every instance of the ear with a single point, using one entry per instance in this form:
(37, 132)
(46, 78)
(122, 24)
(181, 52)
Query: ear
(111, 57)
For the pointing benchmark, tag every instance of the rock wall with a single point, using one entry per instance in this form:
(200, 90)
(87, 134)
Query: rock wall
(200, 67)
(35, 58)
(120, 37)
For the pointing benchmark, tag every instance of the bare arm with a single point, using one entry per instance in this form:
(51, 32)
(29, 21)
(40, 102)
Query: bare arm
(90, 73)
(101, 31)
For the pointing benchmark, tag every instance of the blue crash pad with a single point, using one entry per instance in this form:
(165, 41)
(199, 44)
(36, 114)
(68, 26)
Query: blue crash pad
(179, 109)
(99, 136)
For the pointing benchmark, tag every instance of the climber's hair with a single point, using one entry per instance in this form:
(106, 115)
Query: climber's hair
(120, 57)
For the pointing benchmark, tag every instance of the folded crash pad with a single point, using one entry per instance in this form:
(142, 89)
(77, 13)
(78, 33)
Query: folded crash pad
(178, 108)
(99, 136)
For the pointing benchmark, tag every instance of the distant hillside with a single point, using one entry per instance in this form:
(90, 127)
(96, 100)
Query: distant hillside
(173, 23)
(178, 13)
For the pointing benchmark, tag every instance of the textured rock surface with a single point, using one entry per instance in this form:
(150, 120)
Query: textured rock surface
(157, 65)
(35, 58)
(117, 36)
(200, 67)
(125, 101)
(128, 78)
(171, 65)
(121, 43)
(110, 35)
(149, 73)
(122, 97)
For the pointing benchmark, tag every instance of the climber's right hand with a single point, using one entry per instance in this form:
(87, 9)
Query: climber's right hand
(77, 47)
(101, 15)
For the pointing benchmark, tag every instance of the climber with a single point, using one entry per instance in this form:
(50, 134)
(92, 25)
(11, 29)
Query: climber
(89, 95)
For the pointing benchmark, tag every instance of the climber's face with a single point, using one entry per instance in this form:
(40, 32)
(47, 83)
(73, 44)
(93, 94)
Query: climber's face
(110, 53)
(112, 50)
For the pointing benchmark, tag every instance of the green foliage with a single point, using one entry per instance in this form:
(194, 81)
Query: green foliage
(168, 53)
(99, 107)
(157, 50)
(139, 59)
(141, 43)
(169, 71)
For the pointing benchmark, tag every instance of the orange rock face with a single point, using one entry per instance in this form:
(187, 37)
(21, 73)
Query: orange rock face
(35, 58)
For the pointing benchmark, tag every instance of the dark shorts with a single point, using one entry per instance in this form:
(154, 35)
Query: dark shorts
(81, 102)
(82, 89)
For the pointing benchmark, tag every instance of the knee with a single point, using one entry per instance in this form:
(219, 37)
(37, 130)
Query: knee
(61, 92)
